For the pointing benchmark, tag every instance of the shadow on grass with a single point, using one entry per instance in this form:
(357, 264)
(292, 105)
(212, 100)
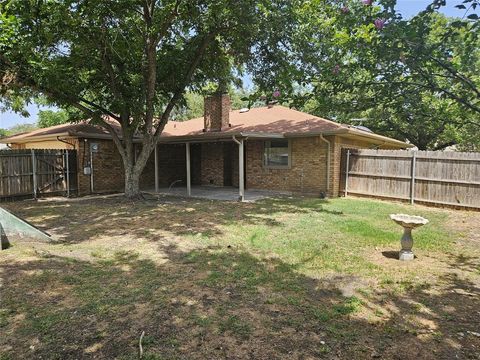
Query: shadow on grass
(395, 255)
(467, 263)
(211, 304)
(391, 254)
(78, 221)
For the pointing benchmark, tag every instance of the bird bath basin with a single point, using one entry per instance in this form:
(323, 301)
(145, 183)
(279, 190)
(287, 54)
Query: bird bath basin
(408, 222)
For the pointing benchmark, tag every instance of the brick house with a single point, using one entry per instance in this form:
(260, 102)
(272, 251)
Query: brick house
(274, 148)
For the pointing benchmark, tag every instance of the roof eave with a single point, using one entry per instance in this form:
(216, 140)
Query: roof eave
(315, 133)
(209, 136)
(100, 136)
(12, 140)
(382, 140)
(79, 134)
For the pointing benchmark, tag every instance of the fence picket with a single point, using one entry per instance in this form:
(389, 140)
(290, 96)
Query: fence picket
(33, 173)
(447, 178)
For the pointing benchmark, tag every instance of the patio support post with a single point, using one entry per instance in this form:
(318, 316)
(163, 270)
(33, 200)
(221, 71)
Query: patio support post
(157, 187)
(241, 169)
(189, 176)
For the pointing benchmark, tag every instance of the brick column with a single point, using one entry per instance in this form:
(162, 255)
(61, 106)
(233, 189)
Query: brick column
(335, 166)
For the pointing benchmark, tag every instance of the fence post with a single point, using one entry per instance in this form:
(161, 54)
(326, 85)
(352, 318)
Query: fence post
(346, 172)
(34, 174)
(67, 155)
(412, 184)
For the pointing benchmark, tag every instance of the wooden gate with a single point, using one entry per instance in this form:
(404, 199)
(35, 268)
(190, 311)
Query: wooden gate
(36, 173)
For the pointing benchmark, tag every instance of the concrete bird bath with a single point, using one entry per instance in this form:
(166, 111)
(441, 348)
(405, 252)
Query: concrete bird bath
(408, 222)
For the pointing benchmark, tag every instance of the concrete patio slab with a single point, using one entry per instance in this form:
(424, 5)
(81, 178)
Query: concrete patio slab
(219, 193)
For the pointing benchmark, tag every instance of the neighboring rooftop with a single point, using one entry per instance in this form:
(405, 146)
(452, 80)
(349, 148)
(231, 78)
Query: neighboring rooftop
(70, 129)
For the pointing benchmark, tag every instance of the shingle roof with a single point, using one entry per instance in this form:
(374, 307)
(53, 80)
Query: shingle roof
(276, 120)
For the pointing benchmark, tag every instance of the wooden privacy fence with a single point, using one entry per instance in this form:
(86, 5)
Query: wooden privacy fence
(446, 178)
(33, 173)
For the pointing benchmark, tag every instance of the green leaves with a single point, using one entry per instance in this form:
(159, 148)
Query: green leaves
(7, 29)
(413, 78)
(47, 118)
(133, 60)
(339, 63)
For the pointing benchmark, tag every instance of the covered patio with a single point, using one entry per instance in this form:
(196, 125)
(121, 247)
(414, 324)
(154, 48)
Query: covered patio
(211, 165)
(223, 193)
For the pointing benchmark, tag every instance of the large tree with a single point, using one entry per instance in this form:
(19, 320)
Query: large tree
(414, 79)
(47, 118)
(128, 62)
(18, 128)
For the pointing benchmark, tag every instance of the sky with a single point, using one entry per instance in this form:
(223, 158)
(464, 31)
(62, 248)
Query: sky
(407, 8)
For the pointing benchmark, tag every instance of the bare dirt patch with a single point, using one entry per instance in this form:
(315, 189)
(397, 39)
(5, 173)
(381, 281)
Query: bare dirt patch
(467, 225)
(203, 279)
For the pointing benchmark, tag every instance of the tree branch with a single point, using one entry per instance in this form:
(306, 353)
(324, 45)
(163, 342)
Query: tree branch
(444, 145)
(178, 93)
(163, 30)
(95, 115)
(451, 94)
(99, 108)
(457, 75)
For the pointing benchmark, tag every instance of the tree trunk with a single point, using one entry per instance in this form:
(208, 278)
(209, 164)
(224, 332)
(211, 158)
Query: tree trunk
(134, 166)
(132, 182)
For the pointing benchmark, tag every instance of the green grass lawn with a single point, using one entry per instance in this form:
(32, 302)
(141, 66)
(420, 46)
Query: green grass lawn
(321, 238)
(281, 278)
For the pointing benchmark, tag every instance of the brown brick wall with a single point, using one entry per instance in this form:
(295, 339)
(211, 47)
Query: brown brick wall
(216, 112)
(335, 159)
(234, 164)
(83, 155)
(147, 179)
(206, 161)
(196, 163)
(339, 143)
(108, 173)
(211, 172)
(172, 164)
(214, 161)
(171, 167)
(307, 173)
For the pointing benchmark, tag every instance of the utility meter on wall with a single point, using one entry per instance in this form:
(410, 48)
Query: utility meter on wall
(94, 147)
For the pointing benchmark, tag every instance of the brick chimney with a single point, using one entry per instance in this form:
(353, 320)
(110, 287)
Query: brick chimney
(216, 112)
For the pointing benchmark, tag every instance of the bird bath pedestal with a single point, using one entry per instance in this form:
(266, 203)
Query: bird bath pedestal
(408, 222)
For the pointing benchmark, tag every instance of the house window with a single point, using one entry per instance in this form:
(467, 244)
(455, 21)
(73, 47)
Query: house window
(277, 153)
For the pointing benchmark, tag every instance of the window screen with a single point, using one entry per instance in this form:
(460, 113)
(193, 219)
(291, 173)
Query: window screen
(277, 153)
